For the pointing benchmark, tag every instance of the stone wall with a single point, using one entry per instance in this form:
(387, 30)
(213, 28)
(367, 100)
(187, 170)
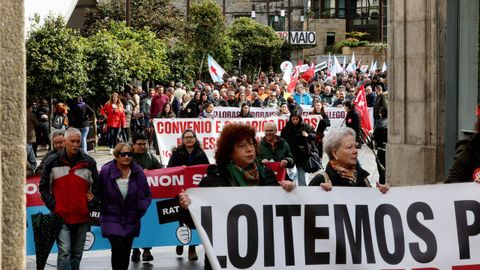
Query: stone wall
(367, 55)
(416, 148)
(321, 28)
(12, 134)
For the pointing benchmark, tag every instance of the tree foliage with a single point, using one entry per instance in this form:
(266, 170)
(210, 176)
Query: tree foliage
(143, 54)
(107, 71)
(56, 63)
(159, 15)
(257, 45)
(207, 34)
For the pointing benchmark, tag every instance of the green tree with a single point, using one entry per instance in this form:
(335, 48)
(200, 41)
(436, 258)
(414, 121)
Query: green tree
(107, 72)
(257, 45)
(56, 64)
(181, 63)
(144, 55)
(159, 15)
(207, 30)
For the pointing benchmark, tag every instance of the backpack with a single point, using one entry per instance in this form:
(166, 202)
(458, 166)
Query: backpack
(57, 122)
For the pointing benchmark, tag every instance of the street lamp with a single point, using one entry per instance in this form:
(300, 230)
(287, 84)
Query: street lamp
(302, 16)
(276, 16)
(282, 10)
(253, 15)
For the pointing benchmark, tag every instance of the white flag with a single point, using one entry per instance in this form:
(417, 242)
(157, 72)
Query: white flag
(216, 71)
(384, 67)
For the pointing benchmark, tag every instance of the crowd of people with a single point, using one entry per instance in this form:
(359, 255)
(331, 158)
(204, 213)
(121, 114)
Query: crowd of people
(68, 173)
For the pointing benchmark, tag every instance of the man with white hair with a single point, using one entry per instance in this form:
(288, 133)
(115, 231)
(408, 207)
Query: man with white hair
(179, 91)
(217, 101)
(68, 182)
(274, 148)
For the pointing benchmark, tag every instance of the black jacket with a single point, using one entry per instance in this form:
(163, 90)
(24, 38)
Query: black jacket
(380, 133)
(220, 177)
(299, 145)
(352, 120)
(337, 180)
(190, 111)
(467, 161)
(78, 116)
(180, 156)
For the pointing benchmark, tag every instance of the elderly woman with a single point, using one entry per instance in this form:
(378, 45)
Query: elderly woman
(343, 168)
(125, 197)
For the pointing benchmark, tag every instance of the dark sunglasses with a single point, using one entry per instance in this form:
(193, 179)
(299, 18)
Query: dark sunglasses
(126, 154)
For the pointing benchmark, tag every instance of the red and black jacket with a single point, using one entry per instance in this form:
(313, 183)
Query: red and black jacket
(64, 184)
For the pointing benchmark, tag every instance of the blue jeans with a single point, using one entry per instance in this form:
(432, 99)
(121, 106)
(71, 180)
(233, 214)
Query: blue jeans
(84, 132)
(70, 242)
(301, 176)
(112, 137)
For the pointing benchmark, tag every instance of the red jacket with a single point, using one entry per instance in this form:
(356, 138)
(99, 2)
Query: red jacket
(64, 185)
(158, 102)
(115, 117)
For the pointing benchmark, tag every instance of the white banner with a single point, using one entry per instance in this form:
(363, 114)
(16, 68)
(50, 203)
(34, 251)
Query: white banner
(419, 227)
(169, 131)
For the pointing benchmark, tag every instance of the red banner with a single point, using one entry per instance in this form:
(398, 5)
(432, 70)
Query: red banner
(164, 183)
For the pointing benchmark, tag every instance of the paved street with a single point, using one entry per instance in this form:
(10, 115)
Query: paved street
(165, 257)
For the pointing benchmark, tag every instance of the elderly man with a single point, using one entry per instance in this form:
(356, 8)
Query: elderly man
(274, 148)
(68, 182)
(328, 97)
(148, 162)
(58, 141)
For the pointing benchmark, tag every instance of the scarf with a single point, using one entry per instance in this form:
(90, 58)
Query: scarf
(246, 177)
(349, 174)
(207, 114)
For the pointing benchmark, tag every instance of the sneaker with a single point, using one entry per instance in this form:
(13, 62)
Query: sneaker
(192, 255)
(147, 256)
(136, 255)
(110, 152)
(179, 250)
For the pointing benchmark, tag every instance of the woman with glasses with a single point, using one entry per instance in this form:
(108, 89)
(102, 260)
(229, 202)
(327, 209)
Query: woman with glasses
(188, 153)
(245, 111)
(237, 165)
(125, 197)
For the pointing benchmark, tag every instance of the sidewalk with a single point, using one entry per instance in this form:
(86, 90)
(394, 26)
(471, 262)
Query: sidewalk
(165, 257)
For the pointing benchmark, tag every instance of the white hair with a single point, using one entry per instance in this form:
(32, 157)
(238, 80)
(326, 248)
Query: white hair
(333, 139)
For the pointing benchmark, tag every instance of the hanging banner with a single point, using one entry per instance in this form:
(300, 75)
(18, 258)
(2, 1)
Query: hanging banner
(420, 227)
(169, 131)
(160, 225)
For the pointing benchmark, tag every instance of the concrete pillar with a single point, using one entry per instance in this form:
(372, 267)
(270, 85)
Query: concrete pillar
(416, 149)
(12, 135)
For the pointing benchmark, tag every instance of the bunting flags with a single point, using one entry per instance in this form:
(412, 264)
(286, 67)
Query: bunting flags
(216, 71)
(361, 106)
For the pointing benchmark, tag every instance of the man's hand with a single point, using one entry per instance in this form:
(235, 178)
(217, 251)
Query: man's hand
(265, 161)
(326, 186)
(90, 196)
(287, 185)
(283, 163)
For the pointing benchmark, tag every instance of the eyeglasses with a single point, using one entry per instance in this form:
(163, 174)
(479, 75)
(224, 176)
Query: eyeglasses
(141, 144)
(188, 138)
(126, 154)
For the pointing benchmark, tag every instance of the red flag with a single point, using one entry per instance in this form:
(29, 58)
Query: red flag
(308, 75)
(293, 81)
(361, 106)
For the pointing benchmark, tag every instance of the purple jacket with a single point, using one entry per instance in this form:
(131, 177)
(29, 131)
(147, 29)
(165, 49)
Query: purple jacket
(119, 217)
